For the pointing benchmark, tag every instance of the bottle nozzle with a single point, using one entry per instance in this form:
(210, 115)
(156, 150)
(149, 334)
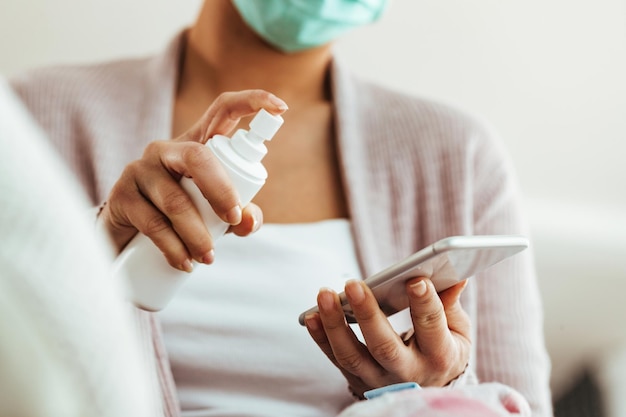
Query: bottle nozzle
(249, 144)
(265, 124)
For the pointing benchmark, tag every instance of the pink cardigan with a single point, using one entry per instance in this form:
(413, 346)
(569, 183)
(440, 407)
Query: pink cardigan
(414, 171)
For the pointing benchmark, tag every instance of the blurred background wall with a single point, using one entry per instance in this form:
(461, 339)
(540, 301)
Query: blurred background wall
(549, 75)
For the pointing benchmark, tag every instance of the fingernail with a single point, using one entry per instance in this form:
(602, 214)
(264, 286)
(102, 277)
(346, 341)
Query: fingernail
(255, 223)
(209, 257)
(326, 299)
(187, 266)
(280, 104)
(419, 288)
(234, 215)
(354, 291)
(311, 322)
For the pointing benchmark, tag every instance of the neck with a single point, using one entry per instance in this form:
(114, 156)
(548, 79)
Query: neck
(223, 54)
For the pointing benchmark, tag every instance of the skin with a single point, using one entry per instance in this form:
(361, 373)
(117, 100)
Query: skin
(304, 185)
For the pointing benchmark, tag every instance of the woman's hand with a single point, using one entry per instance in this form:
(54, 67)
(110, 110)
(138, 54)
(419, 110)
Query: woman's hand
(149, 198)
(433, 355)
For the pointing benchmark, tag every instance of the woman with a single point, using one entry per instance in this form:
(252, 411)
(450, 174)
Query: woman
(359, 177)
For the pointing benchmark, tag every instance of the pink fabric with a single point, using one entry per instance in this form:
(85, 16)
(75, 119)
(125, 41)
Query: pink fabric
(485, 400)
(414, 171)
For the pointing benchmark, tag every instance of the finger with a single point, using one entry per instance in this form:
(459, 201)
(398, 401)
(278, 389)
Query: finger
(314, 325)
(443, 332)
(458, 320)
(156, 227)
(195, 161)
(226, 111)
(429, 319)
(119, 229)
(382, 341)
(452, 295)
(128, 207)
(251, 221)
(350, 354)
(179, 214)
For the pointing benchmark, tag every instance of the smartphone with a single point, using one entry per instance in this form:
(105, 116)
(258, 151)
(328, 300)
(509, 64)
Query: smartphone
(445, 262)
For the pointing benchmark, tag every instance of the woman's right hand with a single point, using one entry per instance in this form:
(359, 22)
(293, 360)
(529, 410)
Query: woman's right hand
(148, 196)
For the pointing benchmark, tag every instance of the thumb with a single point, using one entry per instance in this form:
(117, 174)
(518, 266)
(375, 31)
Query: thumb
(452, 295)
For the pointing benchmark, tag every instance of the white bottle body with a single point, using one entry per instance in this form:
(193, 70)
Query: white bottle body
(152, 280)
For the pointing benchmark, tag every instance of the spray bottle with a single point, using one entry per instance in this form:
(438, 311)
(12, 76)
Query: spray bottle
(152, 280)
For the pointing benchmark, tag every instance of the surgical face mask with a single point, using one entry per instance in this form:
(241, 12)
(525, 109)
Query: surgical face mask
(295, 25)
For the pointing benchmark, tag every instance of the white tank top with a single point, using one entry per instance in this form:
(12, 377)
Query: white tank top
(232, 330)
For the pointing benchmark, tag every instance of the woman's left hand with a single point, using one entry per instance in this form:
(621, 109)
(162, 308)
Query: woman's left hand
(436, 353)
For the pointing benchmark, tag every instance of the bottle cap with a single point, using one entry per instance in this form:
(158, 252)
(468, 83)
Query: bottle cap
(265, 124)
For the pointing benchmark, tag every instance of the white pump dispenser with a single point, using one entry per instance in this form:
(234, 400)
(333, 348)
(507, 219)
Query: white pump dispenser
(153, 281)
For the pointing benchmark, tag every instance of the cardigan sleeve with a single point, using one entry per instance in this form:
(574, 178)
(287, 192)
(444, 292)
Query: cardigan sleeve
(510, 345)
